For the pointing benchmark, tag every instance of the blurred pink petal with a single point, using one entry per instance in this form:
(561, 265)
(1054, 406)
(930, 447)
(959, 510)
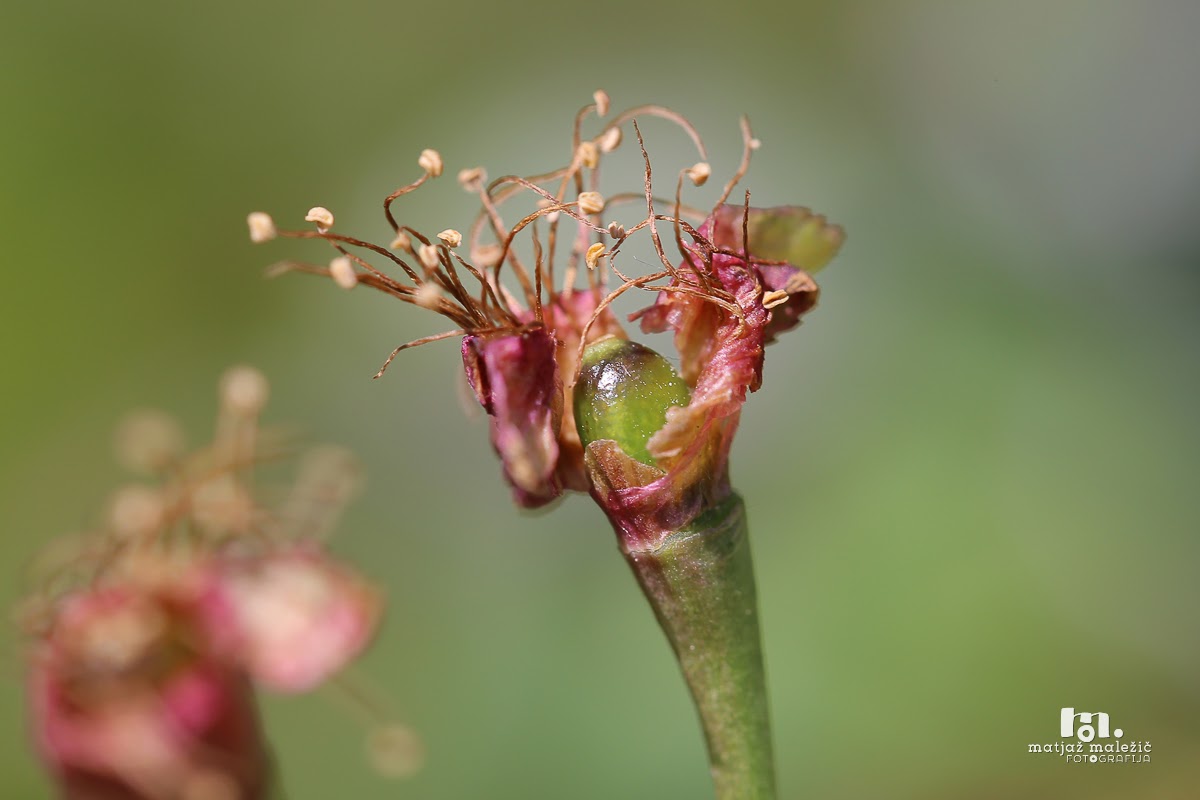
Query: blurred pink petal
(291, 618)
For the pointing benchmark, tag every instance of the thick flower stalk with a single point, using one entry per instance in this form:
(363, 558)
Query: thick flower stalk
(574, 405)
(148, 636)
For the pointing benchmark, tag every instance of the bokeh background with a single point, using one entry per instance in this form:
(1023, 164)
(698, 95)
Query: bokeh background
(972, 475)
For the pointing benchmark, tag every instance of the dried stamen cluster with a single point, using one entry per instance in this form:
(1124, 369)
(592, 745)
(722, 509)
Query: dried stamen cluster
(429, 270)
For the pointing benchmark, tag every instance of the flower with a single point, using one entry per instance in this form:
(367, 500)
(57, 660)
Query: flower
(128, 702)
(522, 342)
(574, 405)
(149, 635)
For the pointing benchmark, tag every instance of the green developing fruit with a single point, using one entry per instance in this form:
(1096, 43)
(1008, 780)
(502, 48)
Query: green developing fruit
(623, 394)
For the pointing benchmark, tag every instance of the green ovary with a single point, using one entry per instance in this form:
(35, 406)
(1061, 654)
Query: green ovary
(623, 394)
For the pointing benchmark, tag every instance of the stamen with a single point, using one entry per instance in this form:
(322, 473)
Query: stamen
(429, 256)
(428, 296)
(749, 144)
(664, 113)
(658, 248)
(486, 255)
(417, 343)
(320, 215)
(603, 304)
(588, 154)
(699, 172)
(262, 227)
(775, 298)
(591, 202)
(472, 179)
(244, 391)
(600, 98)
(610, 140)
(342, 271)
(431, 162)
(592, 258)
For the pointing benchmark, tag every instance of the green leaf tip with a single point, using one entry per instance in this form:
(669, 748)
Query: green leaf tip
(623, 393)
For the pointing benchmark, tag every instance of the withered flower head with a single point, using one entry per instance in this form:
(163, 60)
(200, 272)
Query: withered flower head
(744, 277)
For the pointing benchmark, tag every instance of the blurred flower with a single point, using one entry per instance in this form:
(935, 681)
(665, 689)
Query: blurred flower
(127, 701)
(147, 635)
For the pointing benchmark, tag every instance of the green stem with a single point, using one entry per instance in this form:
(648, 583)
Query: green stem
(700, 582)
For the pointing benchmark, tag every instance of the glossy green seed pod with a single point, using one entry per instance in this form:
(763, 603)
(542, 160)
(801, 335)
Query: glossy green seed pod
(623, 393)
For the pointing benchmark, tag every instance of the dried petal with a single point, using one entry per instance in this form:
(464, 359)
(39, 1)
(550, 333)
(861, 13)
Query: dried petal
(791, 234)
(516, 380)
(721, 357)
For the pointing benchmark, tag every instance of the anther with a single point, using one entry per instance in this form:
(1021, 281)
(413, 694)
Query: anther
(611, 140)
(320, 215)
(775, 298)
(601, 99)
(262, 227)
(341, 269)
(427, 296)
(472, 179)
(588, 155)
(591, 202)
(593, 254)
(429, 256)
(699, 172)
(431, 162)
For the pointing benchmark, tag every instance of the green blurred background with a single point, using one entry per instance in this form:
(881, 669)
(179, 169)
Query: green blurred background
(972, 476)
